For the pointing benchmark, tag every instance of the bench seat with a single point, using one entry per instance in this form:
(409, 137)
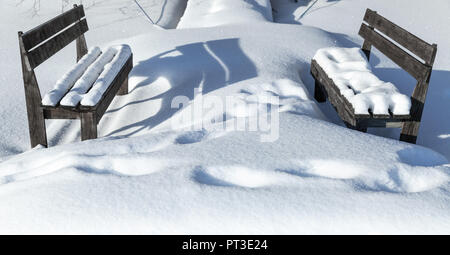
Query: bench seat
(363, 92)
(85, 84)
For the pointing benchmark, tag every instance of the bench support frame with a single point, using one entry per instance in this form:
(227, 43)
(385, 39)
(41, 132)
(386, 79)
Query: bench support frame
(39, 44)
(419, 67)
(36, 120)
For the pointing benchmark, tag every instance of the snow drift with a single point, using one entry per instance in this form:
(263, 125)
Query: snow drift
(146, 175)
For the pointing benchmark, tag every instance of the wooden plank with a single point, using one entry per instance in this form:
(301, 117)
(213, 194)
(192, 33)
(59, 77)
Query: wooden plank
(410, 129)
(411, 42)
(38, 55)
(396, 54)
(43, 32)
(59, 113)
(382, 123)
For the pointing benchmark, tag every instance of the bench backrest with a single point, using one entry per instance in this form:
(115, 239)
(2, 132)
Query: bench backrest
(42, 42)
(411, 53)
(382, 33)
(38, 45)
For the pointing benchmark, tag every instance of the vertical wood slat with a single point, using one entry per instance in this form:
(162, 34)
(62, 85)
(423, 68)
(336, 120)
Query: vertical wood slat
(367, 46)
(82, 48)
(396, 54)
(88, 125)
(81, 44)
(43, 52)
(43, 32)
(410, 129)
(36, 121)
(411, 42)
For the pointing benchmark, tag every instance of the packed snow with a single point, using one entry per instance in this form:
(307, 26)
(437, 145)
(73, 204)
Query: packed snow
(68, 80)
(164, 166)
(352, 74)
(107, 76)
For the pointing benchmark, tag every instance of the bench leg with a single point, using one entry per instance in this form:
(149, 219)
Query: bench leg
(88, 126)
(36, 126)
(123, 88)
(318, 92)
(410, 131)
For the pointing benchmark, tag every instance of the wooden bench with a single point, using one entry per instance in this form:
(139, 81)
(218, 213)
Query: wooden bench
(42, 42)
(411, 53)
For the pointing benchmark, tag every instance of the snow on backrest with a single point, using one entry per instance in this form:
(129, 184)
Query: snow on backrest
(210, 13)
(352, 74)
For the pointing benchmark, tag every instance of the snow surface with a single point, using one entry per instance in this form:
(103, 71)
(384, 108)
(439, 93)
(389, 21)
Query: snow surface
(110, 71)
(210, 13)
(145, 175)
(352, 74)
(68, 80)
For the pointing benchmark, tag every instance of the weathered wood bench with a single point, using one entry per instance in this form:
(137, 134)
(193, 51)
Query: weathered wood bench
(41, 43)
(411, 53)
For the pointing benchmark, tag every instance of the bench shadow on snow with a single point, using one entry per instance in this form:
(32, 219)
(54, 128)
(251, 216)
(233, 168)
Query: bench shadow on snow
(208, 65)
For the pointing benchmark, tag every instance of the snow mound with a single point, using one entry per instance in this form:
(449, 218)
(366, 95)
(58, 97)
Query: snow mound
(352, 74)
(400, 177)
(211, 13)
(121, 165)
(230, 181)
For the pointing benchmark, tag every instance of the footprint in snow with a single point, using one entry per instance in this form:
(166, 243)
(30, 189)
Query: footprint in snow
(235, 176)
(398, 177)
(191, 137)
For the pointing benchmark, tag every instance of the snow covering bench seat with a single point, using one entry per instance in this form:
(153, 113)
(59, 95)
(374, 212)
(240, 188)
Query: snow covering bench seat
(86, 90)
(353, 79)
(86, 83)
(362, 100)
